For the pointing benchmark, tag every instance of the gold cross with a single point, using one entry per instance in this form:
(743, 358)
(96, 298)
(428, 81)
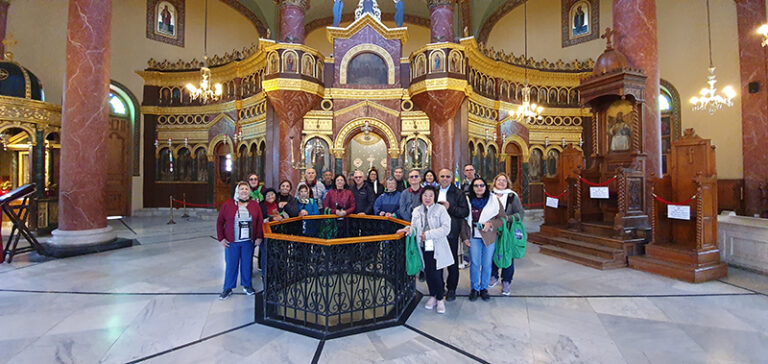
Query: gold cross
(8, 42)
(608, 35)
(690, 155)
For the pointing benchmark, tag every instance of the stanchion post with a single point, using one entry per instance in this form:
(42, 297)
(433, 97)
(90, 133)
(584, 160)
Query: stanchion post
(170, 199)
(184, 203)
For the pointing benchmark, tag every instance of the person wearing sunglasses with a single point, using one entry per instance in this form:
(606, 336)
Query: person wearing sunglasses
(253, 182)
(363, 192)
(484, 220)
(410, 197)
(455, 202)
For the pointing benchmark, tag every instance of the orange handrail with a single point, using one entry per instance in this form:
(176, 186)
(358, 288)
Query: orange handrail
(339, 241)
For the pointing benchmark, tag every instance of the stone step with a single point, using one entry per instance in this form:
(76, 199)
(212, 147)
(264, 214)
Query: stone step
(589, 238)
(683, 272)
(586, 248)
(580, 258)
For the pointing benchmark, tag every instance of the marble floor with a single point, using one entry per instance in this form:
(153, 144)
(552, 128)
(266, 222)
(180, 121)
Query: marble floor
(157, 303)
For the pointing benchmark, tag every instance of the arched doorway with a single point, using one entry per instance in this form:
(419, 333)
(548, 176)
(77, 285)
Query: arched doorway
(365, 151)
(223, 164)
(514, 166)
(122, 112)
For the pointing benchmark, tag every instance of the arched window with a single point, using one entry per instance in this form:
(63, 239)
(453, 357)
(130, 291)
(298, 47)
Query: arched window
(669, 105)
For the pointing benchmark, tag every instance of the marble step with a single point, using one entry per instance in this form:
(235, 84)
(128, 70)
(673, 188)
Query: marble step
(581, 258)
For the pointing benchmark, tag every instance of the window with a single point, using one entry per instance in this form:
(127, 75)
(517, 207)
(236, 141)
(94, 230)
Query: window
(664, 104)
(669, 105)
(116, 105)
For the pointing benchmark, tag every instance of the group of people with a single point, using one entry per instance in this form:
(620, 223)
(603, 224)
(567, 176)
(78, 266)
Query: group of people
(442, 216)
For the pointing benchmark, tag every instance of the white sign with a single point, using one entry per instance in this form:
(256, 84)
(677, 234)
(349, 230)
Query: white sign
(598, 192)
(680, 212)
(552, 202)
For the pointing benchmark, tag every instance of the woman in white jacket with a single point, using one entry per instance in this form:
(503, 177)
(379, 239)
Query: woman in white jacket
(431, 224)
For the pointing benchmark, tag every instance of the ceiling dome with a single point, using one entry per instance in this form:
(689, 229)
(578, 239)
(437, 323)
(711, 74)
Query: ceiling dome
(611, 60)
(17, 81)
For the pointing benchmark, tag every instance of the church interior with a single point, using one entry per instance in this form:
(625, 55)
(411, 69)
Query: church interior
(631, 130)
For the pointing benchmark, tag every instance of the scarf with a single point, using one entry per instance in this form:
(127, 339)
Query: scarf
(311, 184)
(479, 203)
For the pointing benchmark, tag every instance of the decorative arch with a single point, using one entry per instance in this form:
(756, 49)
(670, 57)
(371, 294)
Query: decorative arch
(219, 118)
(456, 56)
(516, 139)
(196, 147)
(175, 150)
(245, 144)
(307, 137)
(422, 137)
(351, 126)
(221, 138)
(17, 125)
(290, 54)
(553, 146)
(372, 48)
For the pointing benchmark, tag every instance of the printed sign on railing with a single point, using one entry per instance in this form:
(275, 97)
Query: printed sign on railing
(552, 202)
(680, 212)
(598, 192)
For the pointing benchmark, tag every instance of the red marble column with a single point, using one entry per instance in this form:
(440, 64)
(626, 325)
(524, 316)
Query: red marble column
(290, 107)
(82, 214)
(636, 36)
(754, 106)
(441, 106)
(4, 4)
(441, 20)
(292, 20)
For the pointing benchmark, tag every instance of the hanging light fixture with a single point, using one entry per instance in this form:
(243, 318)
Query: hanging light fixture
(763, 30)
(708, 98)
(205, 93)
(527, 111)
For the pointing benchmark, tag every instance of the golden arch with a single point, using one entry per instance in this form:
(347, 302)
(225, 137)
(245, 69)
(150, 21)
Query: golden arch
(220, 117)
(540, 148)
(421, 137)
(516, 139)
(221, 138)
(554, 146)
(378, 50)
(28, 129)
(355, 124)
(196, 147)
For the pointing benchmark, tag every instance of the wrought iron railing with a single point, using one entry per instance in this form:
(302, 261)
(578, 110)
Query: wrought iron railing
(328, 277)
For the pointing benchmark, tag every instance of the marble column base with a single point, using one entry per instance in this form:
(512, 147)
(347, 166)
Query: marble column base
(67, 243)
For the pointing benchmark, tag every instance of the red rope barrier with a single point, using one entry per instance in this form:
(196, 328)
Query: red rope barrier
(533, 204)
(558, 196)
(686, 202)
(598, 184)
(193, 204)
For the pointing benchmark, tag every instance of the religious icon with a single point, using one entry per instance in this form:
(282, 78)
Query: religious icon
(290, 59)
(534, 168)
(273, 63)
(420, 68)
(166, 19)
(618, 127)
(455, 63)
(580, 21)
(307, 65)
(437, 61)
(552, 157)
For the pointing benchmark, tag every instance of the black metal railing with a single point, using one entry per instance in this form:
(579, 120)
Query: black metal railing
(353, 279)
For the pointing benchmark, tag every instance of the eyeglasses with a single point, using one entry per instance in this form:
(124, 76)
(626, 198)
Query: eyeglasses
(445, 176)
(253, 179)
(414, 176)
(358, 177)
(476, 186)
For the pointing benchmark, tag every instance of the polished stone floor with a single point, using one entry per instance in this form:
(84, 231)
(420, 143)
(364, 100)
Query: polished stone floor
(157, 303)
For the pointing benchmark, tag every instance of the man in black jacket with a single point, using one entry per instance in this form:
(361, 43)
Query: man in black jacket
(364, 196)
(455, 202)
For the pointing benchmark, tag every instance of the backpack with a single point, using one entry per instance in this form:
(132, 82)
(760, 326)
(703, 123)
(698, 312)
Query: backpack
(328, 228)
(413, 263)
(519, 237)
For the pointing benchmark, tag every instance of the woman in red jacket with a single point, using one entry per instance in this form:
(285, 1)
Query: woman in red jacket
(239, 227)
(341, 201)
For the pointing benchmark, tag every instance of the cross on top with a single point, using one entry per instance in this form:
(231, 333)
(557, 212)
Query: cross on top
(8, 42)
(608, 35)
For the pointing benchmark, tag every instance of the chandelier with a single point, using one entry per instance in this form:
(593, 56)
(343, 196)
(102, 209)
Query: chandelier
(527, 111)
(206, 92)
(763, 30)
(708, 98)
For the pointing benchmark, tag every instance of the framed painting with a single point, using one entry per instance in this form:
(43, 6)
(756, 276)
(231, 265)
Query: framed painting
(580, 21)
(165, 21)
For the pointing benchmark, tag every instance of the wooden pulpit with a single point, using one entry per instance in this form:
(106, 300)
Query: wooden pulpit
(680, 248)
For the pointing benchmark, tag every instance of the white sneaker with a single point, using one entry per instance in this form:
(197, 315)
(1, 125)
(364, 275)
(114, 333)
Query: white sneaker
(493, 282)
(430, 303)
(441, 306)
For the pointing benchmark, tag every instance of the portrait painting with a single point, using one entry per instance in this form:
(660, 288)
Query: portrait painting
(273, 63)
(307, 65)
(535, 162)
(619, 132)
(580, 21)
(290, 62)
(165, 21)
(454, 65)
(437, 61)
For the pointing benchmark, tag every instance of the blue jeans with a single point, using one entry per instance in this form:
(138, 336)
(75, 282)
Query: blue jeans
(238, 254)
(506, 273)
(482, 259)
